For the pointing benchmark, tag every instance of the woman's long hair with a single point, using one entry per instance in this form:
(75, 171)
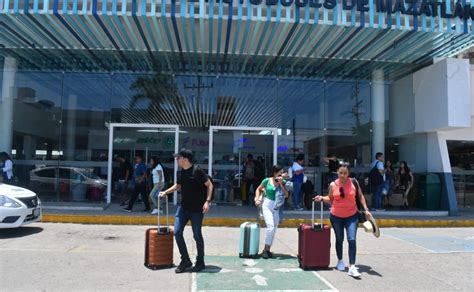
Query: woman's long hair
(156, 162)
(407, 169)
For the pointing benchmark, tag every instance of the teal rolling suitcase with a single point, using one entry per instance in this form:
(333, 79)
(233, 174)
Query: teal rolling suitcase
(249, 239)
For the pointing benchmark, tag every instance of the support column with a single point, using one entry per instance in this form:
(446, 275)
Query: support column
(378, 112)
(6, 104)
(71, 128)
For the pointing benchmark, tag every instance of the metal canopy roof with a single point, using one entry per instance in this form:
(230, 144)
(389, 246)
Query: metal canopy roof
(220, 38)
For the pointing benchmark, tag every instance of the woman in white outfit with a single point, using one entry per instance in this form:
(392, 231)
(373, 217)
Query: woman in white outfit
(158, 182)
(270, 186)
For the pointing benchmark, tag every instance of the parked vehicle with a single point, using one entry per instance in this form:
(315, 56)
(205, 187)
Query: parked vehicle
(79, 183)
(18, 206)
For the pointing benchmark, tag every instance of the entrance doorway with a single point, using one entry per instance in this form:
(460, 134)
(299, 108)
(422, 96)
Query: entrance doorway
(239, 158)
(144, 140)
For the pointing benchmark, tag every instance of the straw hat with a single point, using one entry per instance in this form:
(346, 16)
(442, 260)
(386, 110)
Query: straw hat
(371, 226)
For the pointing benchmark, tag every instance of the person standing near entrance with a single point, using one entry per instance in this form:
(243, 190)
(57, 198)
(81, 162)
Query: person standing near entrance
(124, 174)
(139, 178)
(333, 164)
(196, 194)
(249, 178)
(405, 182)
(377, 178)
(297, 179)
(7, 168)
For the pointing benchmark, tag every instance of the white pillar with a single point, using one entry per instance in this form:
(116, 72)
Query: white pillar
(378, 112)
(6, 104)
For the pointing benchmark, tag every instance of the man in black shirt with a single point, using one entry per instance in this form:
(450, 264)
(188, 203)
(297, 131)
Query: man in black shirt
(196, 193)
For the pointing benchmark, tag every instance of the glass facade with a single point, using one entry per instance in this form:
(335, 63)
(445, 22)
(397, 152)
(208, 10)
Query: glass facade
(60, 125)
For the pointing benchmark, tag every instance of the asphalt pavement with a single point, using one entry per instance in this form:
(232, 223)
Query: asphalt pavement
(75, 257)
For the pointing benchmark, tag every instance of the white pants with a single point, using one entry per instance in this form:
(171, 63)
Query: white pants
(272, 218)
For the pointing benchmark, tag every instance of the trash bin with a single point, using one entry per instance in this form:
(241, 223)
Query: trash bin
(430, 192)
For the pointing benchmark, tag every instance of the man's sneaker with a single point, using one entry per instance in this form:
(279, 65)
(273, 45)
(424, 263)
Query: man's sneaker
(354, 272)
(127, 210)
(198, 267)
(270, 254)
(265, 254)
(183, 266)
(340, 266)
(154, 212)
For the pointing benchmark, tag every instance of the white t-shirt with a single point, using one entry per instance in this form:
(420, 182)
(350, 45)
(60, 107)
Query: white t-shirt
(156, 176)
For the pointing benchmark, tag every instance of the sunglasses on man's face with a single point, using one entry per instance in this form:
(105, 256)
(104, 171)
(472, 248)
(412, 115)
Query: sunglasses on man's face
(341, 192)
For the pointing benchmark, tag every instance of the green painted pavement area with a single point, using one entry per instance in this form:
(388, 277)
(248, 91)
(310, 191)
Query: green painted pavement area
(281, 273)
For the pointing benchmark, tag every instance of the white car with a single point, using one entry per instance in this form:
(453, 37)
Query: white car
(18, 206)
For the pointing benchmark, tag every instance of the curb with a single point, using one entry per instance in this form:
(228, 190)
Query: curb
(235, 222)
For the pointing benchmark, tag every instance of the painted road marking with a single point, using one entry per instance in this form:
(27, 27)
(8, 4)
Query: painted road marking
(250, 263)
(287, 270)
(254, 270)
(279, 274)
(261, 281)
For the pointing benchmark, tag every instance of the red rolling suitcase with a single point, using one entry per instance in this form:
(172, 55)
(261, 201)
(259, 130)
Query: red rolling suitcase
(159, 244)
(314, 244)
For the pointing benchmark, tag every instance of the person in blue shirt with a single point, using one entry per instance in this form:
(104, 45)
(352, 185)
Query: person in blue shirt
(139, 178)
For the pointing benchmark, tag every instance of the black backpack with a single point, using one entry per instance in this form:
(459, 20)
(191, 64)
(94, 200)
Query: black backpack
(195, 168)
(375, 177)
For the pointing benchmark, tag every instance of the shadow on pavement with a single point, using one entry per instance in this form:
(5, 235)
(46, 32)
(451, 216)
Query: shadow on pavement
(368, 270)
(284, 257)
(19, 232)
(210, 269)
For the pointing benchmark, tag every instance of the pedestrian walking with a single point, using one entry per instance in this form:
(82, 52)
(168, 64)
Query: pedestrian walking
(158, 180)
(139, 178)
(345, 215)
(269, 196)
(196, 195)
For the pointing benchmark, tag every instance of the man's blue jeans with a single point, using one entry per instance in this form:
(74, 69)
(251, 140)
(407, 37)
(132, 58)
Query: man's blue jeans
(377, 196)
(296, 196)
(350, 224)
(181, 219)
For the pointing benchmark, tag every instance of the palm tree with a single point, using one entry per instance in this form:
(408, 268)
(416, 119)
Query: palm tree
(163, 96)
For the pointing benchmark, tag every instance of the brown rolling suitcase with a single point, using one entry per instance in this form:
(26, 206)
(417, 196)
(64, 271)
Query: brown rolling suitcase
(159, 244)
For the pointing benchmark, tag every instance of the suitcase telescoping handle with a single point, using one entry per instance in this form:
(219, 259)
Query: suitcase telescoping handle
(167, 215)
(313, 224)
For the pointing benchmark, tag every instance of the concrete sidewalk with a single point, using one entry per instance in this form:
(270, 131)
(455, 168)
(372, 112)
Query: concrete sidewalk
(232, 216)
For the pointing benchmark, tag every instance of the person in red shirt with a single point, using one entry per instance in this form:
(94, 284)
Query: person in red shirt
(344, 215)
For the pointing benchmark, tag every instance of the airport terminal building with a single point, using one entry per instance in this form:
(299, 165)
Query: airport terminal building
(83, 81)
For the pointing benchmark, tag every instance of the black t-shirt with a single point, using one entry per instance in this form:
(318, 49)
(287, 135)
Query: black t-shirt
(123, 170)
(193, 190)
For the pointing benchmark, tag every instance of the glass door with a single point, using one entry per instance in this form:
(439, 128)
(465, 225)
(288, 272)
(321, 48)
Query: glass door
(239, 159)
(128, 141)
